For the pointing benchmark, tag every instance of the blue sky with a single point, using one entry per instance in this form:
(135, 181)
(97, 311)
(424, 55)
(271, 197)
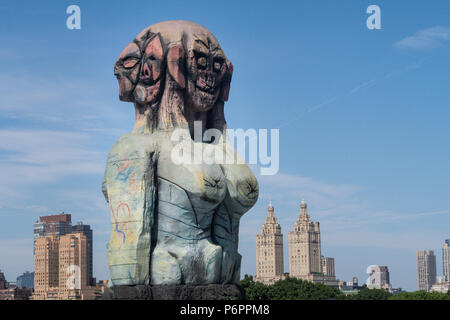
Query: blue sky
(363, 118)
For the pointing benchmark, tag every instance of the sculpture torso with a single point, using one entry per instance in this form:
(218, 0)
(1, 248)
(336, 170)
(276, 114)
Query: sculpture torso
(192, 224)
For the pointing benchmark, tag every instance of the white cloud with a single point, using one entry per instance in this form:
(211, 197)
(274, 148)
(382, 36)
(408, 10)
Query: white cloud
(30, 158)
(367, 238)
(326, 198)
(36, 208)
(58, 102)
(426, 39)
(44, 146)
(92, 203)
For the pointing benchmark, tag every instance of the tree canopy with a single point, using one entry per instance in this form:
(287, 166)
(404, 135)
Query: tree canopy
(296, 289)
(288, 289)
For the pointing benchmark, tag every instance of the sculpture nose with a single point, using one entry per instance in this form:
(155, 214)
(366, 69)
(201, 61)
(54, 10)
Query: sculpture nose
(146, 72)
(208, 80)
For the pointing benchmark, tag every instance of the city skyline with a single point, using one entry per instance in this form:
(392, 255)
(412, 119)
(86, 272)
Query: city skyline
(270, 254)
(426, 269)
(363, 119)
(306, 258)
(60, 225)
(63, 259)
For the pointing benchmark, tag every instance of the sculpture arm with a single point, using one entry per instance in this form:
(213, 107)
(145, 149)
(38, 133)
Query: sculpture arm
(129, 185)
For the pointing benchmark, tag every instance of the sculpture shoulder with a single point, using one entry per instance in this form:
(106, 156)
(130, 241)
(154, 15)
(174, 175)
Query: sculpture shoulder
(132, 146)
(131, 156)
(131, 164)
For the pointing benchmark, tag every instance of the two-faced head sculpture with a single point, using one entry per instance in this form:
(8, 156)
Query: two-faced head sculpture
(180, 60)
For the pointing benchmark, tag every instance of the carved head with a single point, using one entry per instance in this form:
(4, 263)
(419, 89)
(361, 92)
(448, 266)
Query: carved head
(140, 70)
(172, 66)
(207, 67)
(127, 70)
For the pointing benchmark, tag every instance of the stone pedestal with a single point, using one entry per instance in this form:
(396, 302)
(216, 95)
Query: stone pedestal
(175, 292)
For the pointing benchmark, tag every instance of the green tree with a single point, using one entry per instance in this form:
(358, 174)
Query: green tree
(247, 281)
(254, 290)
(288, 289)
(369, 294)
(420, 295)
(296, 289)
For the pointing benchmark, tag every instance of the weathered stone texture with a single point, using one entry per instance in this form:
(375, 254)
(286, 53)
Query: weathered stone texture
(175, 292)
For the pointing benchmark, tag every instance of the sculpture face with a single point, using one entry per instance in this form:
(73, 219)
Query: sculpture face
(127, 70)
(140, 71)
(149, 86)
(206, 68)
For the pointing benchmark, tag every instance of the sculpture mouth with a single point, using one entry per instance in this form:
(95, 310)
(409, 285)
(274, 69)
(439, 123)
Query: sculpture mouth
(124, 93)
(206, 89)
(149, 82)
(145, 94)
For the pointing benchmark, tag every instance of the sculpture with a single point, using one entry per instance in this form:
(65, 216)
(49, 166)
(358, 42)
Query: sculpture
(174, 224)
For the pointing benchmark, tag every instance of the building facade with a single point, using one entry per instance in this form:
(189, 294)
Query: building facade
(446, 259)
(87, 231)
(52, 225)
(10, 291)
(26, 280)
(304, 246)
(426, 269)
(73, 265)
(269, 250)
(378, 277)
(305, 259)
(61, 268)
(15, 293)
(350, 287)
(3, 282)
(61, 224)
(46, 266)
(328, 266)
(442, 287)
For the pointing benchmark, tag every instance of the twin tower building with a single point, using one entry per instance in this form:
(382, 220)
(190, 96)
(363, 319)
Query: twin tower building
(305, 259)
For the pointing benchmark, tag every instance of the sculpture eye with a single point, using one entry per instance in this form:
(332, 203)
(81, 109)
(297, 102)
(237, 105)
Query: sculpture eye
(201, 62)
(218, 62)
(130, 63)
(200, 59)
